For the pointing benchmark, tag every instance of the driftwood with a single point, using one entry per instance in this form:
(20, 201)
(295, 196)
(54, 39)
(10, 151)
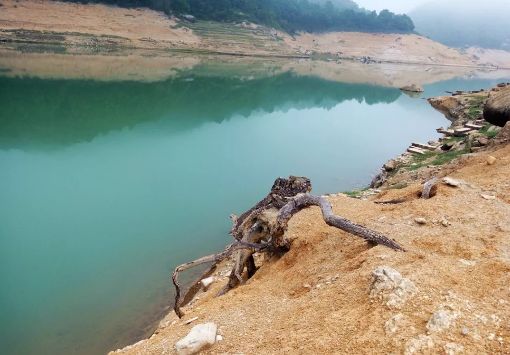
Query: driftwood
(262, 229)
(429, 190)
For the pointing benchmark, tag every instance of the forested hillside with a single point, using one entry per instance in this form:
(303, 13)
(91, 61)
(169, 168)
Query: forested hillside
(289, 15)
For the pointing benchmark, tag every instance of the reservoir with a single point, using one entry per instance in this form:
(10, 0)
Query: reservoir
(107, 185)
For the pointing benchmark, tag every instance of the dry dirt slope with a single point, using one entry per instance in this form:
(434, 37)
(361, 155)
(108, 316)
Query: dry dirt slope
(316, 298)
(93, 28)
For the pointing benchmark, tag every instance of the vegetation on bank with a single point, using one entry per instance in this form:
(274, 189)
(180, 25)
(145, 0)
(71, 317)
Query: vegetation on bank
(289, 15)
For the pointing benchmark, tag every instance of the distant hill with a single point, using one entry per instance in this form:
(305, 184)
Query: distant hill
(460, 23)
(339, 4)
(289, 15)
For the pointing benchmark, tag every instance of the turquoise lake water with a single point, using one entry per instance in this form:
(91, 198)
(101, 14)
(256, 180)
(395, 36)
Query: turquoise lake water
(106, 186)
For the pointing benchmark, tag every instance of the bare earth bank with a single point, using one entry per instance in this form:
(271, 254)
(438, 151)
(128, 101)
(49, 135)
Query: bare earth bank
(77, 28)
(319, 297)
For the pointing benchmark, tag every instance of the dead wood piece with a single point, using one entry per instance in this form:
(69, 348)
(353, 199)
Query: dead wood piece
(281, 190)
(391, 202)
(429, 189)
(305, 200)
(214, 258)
(262, 228)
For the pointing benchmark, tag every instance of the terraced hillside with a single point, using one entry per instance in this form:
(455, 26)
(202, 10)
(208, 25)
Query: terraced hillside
(236, 37)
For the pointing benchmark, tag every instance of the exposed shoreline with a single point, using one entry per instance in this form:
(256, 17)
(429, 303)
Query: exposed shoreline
(74, 28)
(307, 227)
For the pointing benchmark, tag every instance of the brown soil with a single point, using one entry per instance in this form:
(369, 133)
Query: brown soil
(315, 299)
(92, 29)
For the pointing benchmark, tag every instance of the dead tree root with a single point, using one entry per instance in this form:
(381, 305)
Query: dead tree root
(262, 229)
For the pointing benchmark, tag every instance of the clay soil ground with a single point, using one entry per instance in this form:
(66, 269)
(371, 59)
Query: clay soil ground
(316, 298)
(95, 28)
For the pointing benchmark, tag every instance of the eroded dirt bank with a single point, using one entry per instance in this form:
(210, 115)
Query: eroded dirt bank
(323, 296)
(91, 29)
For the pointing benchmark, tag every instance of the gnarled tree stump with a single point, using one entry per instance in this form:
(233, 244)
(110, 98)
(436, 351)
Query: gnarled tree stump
(262, 229)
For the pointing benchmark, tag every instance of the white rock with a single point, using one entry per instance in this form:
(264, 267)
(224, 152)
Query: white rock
(199, 337)
(393, 324)
(219, 338)
(488, 197)
(418, 344)
(207, 282)
(389, 286)
(451, 182)
(440, 320)
(467, 262)
(491, 160)
(453, 348)
(420, 220)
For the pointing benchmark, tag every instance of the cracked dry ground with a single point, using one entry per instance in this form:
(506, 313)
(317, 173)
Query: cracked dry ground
(316, 298)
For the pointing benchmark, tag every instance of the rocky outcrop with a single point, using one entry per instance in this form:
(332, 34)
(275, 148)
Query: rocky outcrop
(201, 336)
(412, 88)
(504, 134)
(497, 109)
(450, 106)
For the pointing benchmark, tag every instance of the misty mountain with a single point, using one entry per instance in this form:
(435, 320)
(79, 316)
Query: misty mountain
(460, 23)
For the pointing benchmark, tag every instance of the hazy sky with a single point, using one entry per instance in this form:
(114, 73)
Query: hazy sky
(400, 6)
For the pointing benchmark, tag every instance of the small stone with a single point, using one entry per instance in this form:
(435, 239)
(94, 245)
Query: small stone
(464, 331)
(199, 337)
(390, 165)
(467, 262)
(418, 344)
(451, 182)
(308, 286)
(420, 220)
(440, 320)
(389, 286)
(412, 88)
(491, 160)
(493, 129)
(207, 282)
(445, 222)
(483, 141)
(491, 336)
(219, 338)
(488, 197)
(453, 348)
(393, 324)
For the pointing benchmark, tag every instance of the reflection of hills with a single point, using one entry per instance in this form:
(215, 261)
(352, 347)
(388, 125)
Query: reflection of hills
(62, 112)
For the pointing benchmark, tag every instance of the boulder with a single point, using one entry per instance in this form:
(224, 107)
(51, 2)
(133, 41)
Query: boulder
(450, 106)
(390, 165)
(199, 337)
(412, 88)
(497, 108)
(503, 135)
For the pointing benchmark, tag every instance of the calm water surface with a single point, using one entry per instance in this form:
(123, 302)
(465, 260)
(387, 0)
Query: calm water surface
(105, 187)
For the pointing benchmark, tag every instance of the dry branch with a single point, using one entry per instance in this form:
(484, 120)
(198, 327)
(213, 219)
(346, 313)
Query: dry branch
(429, 188)
(305, 200)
